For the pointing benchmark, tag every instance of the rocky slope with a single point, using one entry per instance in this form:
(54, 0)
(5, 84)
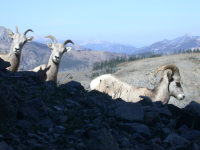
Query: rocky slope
(43, 116)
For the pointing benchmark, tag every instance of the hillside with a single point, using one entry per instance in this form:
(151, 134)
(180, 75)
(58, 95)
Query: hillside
(140, 73)
(35, 53)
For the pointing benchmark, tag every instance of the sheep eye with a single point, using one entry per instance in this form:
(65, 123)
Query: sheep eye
(178, 84)
(172, 79)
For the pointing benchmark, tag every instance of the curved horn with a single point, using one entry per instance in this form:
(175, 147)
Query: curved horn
(174, 68)
(68, 41)
(52, 38)
(27, 31)
(17, 30)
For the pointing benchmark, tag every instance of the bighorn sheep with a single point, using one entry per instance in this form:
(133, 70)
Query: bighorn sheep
(49, 72)
(18, 41)
(169, 85)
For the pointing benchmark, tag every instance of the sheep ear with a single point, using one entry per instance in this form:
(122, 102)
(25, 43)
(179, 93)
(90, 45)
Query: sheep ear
(49, 45)
(67, 49)
(30, 38)
(10, 33)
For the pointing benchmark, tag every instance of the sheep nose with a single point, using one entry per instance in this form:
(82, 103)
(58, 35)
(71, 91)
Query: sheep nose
(57, 57)
(16, 50)
(181, 96)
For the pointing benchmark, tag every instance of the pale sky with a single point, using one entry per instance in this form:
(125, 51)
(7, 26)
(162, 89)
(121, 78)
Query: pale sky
(134, 22)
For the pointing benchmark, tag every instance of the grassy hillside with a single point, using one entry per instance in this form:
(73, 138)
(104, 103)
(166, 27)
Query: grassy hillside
(140, 73)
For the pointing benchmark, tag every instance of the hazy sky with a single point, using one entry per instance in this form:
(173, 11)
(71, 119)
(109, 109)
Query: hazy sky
(135, 22)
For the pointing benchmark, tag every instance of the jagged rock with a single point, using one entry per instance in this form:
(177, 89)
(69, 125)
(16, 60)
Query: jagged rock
(4, 64)
(136, 127)
(3, 145)
(164, 111)
(81, 146)
(69, 117)
(125, 142)
(175, 139)
(23, 124)
(1, 136)
(102, 140)
(32, 109)
(129, 111)
(57, 108)
(46, 123)
(151, 117)
(59, 129)
(192, 135)
(193, 107)
(8, 105)
(146, 101)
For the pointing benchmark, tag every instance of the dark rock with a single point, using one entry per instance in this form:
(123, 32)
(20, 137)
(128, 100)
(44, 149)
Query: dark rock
(136, 127)
(157, 147)
(63, 119)
(57, 108)
(136, 137)
(1, 137)
(193, 107)
(174, 139)
(151, 117)
(4, 64)
(32, 110)
(3, 145)
(192, 135)
(59, 129)
(129, 111)
(125, 142)
(8, 104)
(46, 123)
(81, 146)
(73, 84)
(146, 101)
(164, 111)
(23, 124)
(102, 140)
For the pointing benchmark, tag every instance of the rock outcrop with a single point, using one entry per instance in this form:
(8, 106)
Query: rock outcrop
(38, 115)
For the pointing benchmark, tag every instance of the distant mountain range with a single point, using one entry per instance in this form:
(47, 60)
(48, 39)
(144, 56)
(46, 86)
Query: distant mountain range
(169, 46)
(108, 46)
(161, 47)
(86, 53)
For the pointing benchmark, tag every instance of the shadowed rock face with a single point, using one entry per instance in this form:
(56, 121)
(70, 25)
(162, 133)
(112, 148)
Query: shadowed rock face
(69, 117)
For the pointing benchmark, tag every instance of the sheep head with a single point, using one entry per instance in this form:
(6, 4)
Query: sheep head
(171, 73)
(18, 40)
(58, 49)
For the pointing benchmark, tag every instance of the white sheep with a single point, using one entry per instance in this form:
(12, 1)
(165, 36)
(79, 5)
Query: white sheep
(18, 41)
(169, 85)
(49, 72)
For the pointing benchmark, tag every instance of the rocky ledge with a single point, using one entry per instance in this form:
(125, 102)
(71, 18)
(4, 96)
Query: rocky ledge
(38, 115)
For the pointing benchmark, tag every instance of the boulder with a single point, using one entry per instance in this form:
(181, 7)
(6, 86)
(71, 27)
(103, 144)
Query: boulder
(129, 111)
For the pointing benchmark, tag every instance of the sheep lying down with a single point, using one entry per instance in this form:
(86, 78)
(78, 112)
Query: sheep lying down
(168, 86)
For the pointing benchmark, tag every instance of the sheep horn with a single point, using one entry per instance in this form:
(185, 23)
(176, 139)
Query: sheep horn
(174, 68)
(27, 31)
(17, 30)
(52, 38)
(68, 41)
